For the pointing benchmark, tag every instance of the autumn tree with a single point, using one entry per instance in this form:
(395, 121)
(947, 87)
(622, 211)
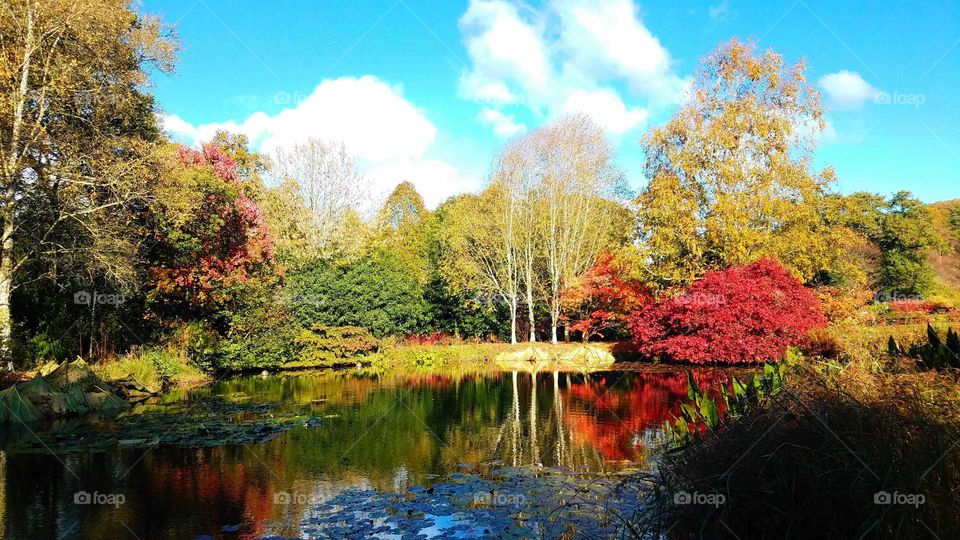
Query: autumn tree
(402, 226)
(211, 234)
(600, 302)
(731, 177)
(330, 184)
(76, 131)
(480, 255)
(577, 182)
(742, 314)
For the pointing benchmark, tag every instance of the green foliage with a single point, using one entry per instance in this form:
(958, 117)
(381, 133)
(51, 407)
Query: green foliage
(377, 293)
(738, 397)
(954, 223)
(902, 229)
(328, 346)
(936, 353)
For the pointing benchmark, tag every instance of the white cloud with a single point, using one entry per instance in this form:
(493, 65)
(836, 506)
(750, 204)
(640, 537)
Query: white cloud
(384, 131)
(568, 55)
(504, 125)
(848, 90)
(719, 11)
(435, 180)
(607, 109)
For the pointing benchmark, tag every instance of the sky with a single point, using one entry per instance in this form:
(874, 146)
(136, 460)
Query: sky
(429, 91)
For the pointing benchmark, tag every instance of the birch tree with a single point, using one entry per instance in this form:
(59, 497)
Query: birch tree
(77, 132)
(479, 238)
(577, 183)
(517, 171)
(329, 181)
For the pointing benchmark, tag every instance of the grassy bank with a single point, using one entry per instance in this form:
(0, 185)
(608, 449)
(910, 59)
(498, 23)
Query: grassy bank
(459, 355)
(155, 368)
(848, 452)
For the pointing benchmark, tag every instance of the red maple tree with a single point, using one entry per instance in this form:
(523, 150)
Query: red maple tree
(599, 303)
(214, 243)
(743, 314)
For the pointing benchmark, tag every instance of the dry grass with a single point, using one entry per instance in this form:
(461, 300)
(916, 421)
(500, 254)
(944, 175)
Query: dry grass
(813, 462)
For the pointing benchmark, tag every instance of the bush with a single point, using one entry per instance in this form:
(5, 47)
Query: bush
(744, 314)
(329, 346)
(378, 294)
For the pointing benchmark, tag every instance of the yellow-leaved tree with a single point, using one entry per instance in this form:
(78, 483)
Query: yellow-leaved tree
(731, 176)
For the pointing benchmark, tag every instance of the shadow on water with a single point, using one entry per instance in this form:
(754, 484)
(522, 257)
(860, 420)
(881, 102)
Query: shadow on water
(385, 433)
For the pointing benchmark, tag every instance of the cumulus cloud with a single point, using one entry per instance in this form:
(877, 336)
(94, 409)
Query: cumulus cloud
(384, 131)
(848, 90)
(606, 109)
(567, 55)
(504, 125)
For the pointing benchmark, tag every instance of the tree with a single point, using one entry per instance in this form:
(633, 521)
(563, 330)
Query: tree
(377, 293)
(902, 229)
(953, 221)
(600, 301)
(329, 181)
(212, 235)
(730, 173)
(744, 314)
(77, 133)
(577, 182)
(476, 235)
(403, 225)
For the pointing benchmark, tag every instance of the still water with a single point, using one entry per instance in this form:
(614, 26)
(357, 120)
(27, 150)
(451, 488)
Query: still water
(362, 432)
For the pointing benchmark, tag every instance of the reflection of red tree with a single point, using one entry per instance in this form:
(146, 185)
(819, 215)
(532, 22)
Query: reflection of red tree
(609, 418)
(213, 480)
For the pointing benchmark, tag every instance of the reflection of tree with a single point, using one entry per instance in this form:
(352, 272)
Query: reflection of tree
(614, 418)
(382, 432)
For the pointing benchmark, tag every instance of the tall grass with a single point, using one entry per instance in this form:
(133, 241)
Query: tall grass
(837, 453)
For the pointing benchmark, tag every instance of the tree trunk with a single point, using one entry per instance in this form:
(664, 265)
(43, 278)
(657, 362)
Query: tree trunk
(513, 320)
(10, 172)
(533, 326)
(6, 286)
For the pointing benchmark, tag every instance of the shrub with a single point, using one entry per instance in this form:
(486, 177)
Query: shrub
(378, 293)
(913, 306)
(329, 346)
(599, 302)
(744, 314)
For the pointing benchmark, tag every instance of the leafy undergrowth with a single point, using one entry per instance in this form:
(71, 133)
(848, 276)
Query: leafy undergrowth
(200, 422)
(837, 453)
(155, 368)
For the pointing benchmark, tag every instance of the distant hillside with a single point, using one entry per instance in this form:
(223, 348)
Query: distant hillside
(946, 262)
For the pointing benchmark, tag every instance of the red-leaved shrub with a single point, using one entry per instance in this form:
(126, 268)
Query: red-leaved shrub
(912, 306)
(743, 314)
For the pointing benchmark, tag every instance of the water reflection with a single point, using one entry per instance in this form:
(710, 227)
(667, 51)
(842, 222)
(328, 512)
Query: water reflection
(386, 433)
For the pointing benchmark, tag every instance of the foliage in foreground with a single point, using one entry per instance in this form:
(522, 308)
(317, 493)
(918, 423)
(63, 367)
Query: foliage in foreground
(744, 314)
(835, 454)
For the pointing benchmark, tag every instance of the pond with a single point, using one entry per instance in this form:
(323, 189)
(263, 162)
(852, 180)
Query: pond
(345, 454)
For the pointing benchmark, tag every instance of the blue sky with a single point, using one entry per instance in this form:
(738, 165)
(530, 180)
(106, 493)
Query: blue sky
(428, 91)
